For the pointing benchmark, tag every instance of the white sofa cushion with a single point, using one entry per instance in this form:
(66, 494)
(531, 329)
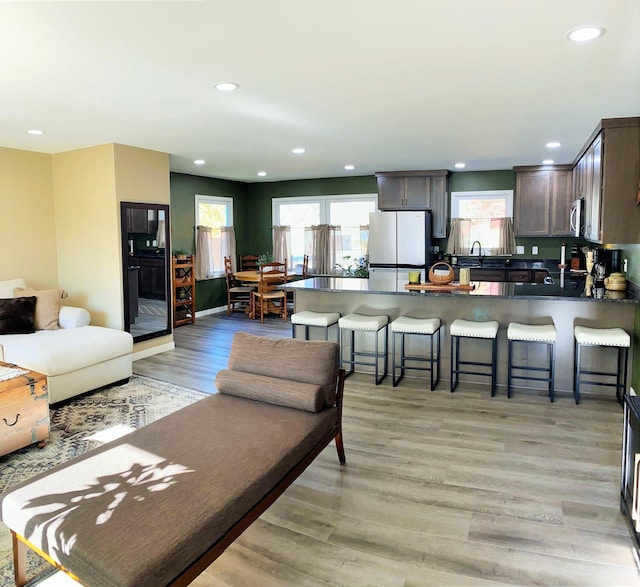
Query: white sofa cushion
(7, 287)
(54, 352)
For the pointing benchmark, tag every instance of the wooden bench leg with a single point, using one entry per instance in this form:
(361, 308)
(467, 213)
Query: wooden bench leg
(19, 560)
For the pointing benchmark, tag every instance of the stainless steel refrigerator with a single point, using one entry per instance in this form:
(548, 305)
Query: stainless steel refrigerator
(399, 241)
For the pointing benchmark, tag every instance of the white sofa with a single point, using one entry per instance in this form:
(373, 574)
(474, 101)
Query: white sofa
(75, 358)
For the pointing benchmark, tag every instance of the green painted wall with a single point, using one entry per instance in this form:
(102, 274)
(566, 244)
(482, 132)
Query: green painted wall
(212, 292)
(632, 254)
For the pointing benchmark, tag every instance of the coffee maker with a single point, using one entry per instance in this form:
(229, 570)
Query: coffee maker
(611, 259)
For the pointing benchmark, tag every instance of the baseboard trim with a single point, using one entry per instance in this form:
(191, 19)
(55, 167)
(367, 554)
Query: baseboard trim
(209, 311)
(153, 351)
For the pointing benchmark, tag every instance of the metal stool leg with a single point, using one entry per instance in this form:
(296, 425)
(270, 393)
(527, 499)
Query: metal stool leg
(509, 367)
(552, 370)
(494, 367)
(576, 385)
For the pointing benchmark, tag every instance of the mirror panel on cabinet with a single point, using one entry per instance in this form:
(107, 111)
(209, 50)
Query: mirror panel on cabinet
(146, 275)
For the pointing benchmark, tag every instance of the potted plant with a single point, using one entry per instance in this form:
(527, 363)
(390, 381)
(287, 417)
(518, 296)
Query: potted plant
(354, 268)
(180, 254)
(263, 258)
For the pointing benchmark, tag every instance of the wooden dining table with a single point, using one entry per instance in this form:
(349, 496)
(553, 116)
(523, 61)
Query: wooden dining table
(254, 277)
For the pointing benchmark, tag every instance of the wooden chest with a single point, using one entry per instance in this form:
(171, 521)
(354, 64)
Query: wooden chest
(24, 410)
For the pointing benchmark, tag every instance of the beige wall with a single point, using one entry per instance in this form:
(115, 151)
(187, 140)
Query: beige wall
(88, 186)
(141, 175)
(27, 227)
(60, 221)
(87, 225)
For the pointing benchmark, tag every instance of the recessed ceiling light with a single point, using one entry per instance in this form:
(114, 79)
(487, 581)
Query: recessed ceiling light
(548, 162)
(199, 162)
(585, 33)
(34, 131)
(460, 165)
(226, 87)
(553, 145)
(298, 150)
(262, 173)
(349, 167)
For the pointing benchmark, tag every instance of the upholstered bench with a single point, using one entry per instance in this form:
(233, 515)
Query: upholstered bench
(157, 506)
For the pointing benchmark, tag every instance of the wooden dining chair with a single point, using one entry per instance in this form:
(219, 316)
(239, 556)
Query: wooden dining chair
(248, 262)
(268, 299)
(238, 296)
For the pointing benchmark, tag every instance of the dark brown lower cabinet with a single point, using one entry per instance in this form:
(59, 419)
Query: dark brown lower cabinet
(630, 478)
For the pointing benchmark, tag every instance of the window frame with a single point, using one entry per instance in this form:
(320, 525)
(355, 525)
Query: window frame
(324, 201)
(214, 200)
(457, 197)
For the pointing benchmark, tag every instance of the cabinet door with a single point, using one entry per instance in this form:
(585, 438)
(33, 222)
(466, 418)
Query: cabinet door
(137, 220)
(533, 197)
(391, 193)
(561, 198)
(417, 193)
(439, 206)
(589, 230)
(595, 185)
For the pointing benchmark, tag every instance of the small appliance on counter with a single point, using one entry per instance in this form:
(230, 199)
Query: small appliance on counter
(610, 258)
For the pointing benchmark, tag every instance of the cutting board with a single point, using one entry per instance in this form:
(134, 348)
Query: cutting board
(436, 287)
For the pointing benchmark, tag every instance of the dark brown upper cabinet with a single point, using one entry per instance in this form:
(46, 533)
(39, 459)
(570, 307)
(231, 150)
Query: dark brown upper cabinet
(416, 190)
(607, 176)
(543, 199)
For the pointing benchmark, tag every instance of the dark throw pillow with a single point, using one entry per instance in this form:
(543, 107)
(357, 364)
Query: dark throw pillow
(17, 315)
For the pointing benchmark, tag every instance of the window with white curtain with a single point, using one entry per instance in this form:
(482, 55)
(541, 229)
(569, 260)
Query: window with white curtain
(349, 211)
(483, 216)
(213, 243)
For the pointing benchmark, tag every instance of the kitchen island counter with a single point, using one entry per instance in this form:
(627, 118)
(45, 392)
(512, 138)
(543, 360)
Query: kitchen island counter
(568, 289)
(565, 307)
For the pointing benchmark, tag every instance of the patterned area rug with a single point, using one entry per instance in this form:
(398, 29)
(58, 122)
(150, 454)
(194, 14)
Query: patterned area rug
(135, 404)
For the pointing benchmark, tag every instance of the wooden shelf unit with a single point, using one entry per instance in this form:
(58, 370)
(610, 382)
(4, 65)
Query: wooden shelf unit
(184, 290)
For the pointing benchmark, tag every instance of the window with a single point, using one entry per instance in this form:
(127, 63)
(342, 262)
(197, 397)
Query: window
(483, 216)
(347, 211)
(215, 213)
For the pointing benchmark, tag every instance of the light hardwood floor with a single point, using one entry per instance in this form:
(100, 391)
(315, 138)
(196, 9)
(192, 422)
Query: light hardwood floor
(439, 489)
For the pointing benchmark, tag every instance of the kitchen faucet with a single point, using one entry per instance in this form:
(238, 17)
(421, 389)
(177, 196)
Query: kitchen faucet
(480, 255)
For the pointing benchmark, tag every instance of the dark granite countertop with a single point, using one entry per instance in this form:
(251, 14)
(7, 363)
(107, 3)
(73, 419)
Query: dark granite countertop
(563, 289)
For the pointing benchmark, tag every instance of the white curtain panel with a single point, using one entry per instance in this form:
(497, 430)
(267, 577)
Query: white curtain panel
(324, 243)
(204, 253)
(282, 244)
(495, 234)
(228, 246)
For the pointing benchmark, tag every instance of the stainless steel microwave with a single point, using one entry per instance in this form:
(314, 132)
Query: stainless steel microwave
(576, 221)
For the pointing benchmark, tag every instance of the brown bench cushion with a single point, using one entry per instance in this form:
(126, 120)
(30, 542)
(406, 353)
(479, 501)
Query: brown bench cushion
(315, 362)
(281, 392)
(139, 510)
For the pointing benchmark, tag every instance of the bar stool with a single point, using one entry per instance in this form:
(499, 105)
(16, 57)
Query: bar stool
(405, 325)
(601, 337)
(538, 334)
(360, 323)
(311, 319)
(472, 329)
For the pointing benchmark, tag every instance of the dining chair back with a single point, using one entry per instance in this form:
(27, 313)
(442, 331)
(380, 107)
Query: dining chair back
(248, 262)
(238, 296)
(305, 266)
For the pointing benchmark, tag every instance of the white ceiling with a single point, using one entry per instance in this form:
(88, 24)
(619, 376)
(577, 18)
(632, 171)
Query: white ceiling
(382, 84)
